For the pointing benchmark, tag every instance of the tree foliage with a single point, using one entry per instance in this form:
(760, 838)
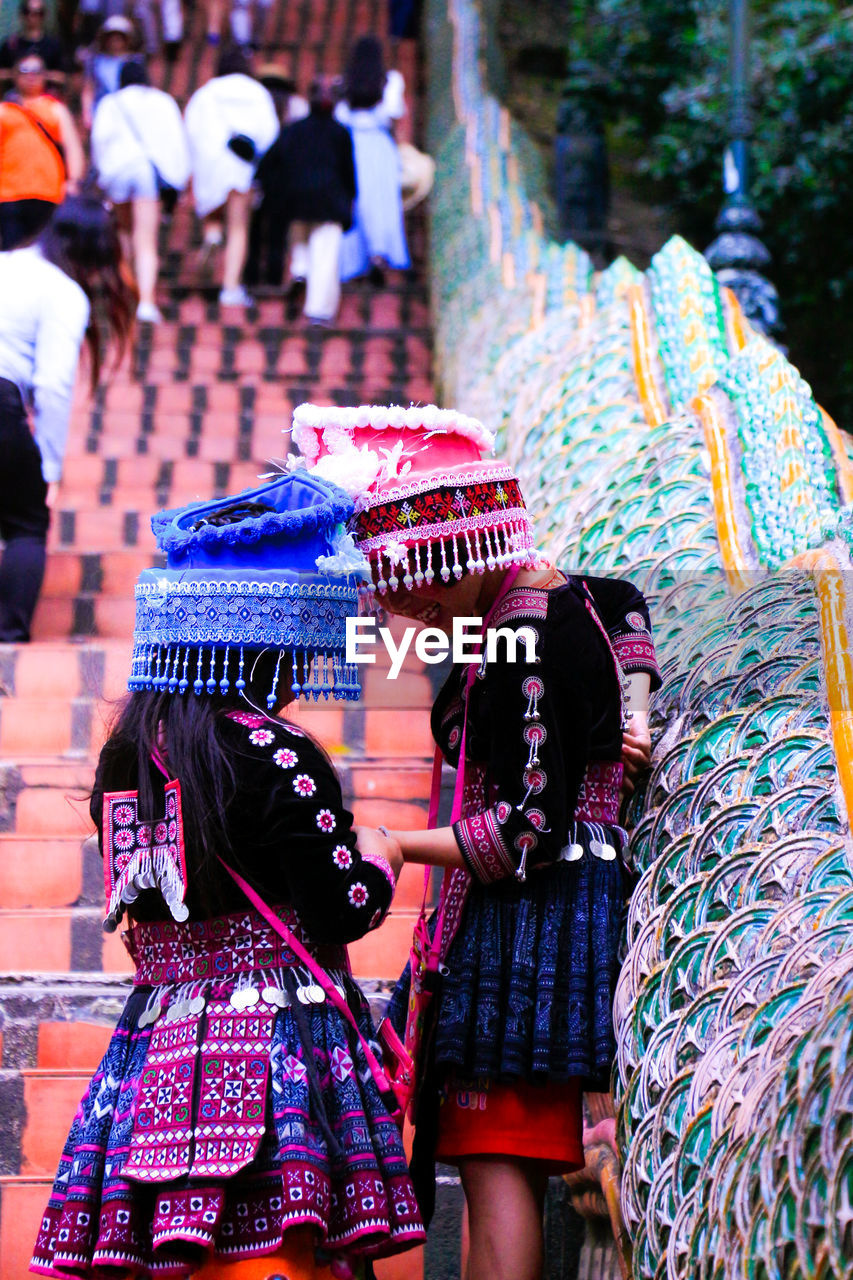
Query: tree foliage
(668, 81)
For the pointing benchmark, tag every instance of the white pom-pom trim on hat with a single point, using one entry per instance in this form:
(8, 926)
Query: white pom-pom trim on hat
(311, 421)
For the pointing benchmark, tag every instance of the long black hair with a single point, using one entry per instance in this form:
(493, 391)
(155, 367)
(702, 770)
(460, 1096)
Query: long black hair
(365, 76)
(82, 240)
(186, 730)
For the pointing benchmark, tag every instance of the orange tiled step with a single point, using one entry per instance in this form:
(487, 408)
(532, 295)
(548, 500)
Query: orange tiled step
(51, 1098)
(57, 669)
(22, 1202)
(40, 872)
(40, 727)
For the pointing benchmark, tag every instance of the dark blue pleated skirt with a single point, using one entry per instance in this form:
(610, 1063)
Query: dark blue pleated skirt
(531, 976)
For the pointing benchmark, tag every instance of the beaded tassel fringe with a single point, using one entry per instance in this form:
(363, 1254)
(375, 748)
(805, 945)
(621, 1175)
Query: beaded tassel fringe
(181, 668)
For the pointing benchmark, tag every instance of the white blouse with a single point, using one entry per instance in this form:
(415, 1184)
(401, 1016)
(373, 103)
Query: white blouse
(43, 320)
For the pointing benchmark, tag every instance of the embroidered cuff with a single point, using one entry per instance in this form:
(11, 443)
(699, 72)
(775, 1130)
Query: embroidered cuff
(483, 848)
(637, 653)
(376, 860)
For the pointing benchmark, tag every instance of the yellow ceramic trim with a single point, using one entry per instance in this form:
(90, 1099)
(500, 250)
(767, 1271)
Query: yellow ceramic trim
(832, 594)
(731, 551)
(839, 453)
(641, 345)
(736, 326)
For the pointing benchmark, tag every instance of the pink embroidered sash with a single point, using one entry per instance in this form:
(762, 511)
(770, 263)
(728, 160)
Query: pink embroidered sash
(599, 794)
(225, 947)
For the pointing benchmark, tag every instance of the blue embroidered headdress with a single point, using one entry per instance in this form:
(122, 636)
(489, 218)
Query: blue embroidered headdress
(272, 568)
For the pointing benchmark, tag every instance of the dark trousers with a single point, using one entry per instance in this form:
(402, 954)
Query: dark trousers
(267, 236)
(23, 220)
(24, 518)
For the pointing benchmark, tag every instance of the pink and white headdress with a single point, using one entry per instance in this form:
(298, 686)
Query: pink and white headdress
(421, 485)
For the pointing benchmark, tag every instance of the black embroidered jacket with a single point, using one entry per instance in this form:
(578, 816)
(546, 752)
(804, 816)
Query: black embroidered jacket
(291, 835)
(535, 729)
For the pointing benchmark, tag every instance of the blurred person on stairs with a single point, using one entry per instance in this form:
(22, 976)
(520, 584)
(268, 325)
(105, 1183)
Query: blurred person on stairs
(372, 101)
(140, 151)
(41, 156)
(231, 122)
(308, 181)
(47, 292)
(33, 37)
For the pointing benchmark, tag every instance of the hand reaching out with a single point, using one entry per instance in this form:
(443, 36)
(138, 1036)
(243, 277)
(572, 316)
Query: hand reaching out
(370, 841)
(636, 751)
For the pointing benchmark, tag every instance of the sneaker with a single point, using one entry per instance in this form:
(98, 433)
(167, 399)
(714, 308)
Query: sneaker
(236, 297)
(148, 313)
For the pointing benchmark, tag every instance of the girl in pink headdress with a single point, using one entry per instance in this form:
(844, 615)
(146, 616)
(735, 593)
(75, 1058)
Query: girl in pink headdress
(534, 876)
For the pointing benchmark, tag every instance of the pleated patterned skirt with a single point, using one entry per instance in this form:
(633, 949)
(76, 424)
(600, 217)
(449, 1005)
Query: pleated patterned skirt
(232, 1105)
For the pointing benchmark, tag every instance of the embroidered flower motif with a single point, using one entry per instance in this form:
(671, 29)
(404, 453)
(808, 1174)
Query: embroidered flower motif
(503, 810)
(635, 621)
(285, 758)
(123, 814)
(303, 785)
(358, 894)
(143, 836)
(160, 833)
(453, 737)
(123, 839)
(173, 830)
(535, 779)
(262, 737)
(342, 857)
(526, 841)
(536, 818)
(533, 687)
(171, 807)
(326, 820)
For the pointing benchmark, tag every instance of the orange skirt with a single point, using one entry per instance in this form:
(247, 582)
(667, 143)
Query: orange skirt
(523, 1121)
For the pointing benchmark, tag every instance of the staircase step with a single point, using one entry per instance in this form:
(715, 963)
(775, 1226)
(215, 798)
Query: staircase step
(39, 872)
(37, 727)
(51, 1098)
(22, 1202)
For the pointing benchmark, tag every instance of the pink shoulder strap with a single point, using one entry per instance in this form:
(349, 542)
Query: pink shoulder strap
(320, 976)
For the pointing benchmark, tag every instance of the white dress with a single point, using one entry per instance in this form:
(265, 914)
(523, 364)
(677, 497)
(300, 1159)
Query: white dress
(134, 131)
(377, 231)
(225, 106)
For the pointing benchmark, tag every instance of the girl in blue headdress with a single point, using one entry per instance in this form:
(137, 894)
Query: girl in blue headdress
(239, 1110)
